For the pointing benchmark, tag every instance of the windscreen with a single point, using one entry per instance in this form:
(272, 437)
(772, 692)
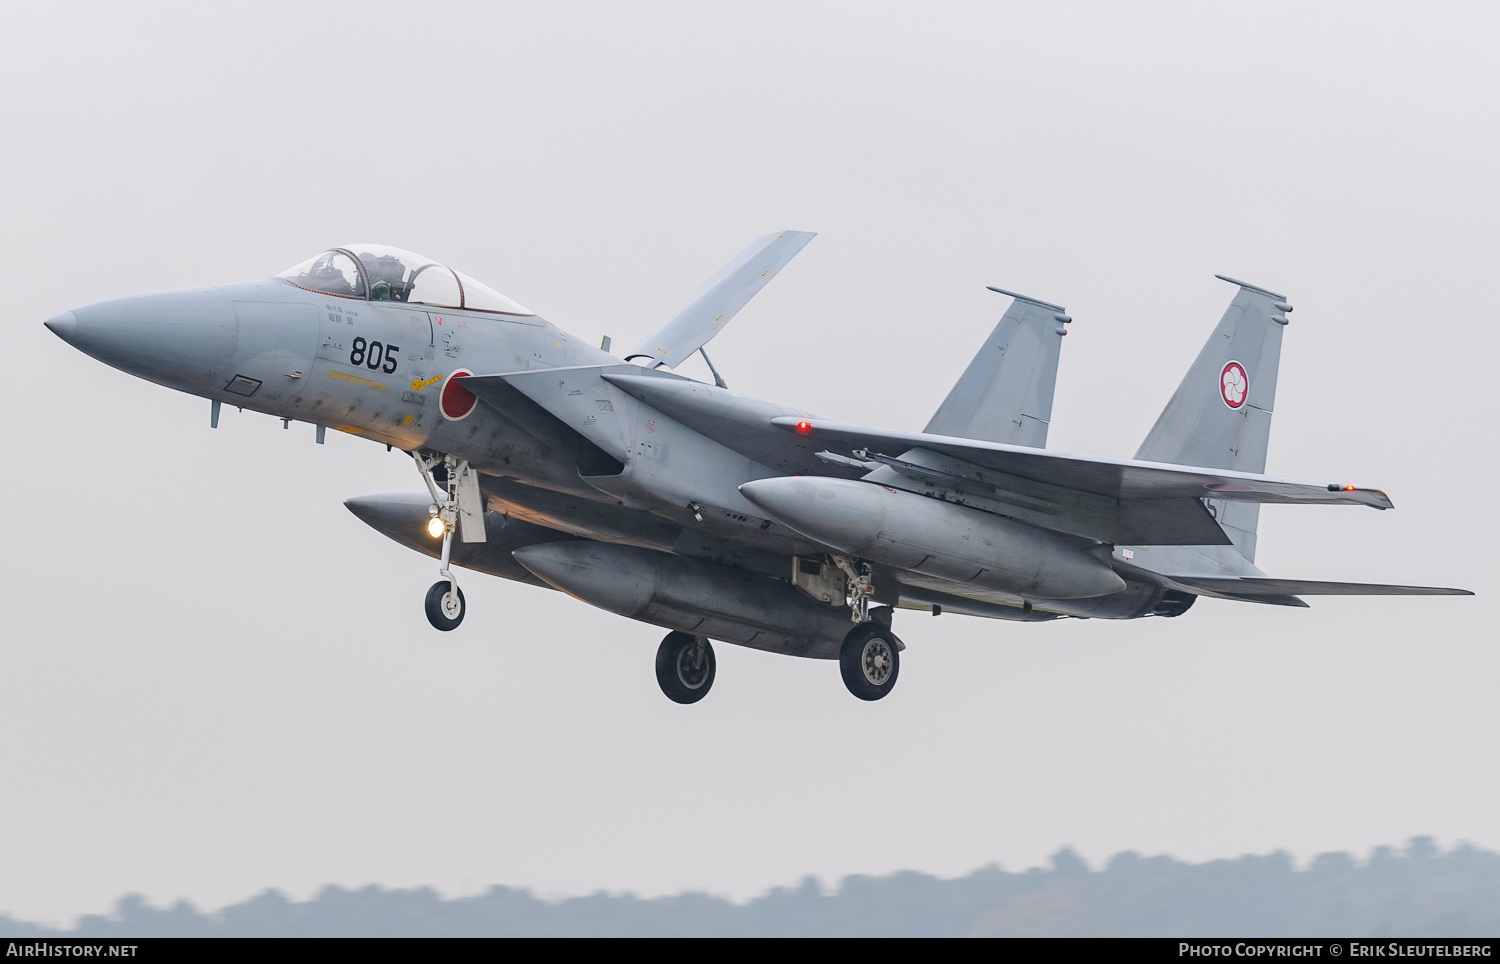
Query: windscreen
(380, 272)
(481, 297)
(332, 273)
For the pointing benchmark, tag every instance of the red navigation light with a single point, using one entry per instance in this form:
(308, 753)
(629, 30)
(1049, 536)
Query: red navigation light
(804, 426)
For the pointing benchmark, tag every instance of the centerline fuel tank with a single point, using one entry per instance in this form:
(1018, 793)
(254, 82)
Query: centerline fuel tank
(951, 542)
(691, 596)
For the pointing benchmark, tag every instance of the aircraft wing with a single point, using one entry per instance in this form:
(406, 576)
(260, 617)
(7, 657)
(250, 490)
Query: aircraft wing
(1253, 587)
(752, 428)
(738, 422)
(1124, 479)
(709, 308)
(1122, 501)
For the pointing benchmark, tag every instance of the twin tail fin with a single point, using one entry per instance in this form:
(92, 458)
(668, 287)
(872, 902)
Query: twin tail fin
(1220, 416)
(1005, 395)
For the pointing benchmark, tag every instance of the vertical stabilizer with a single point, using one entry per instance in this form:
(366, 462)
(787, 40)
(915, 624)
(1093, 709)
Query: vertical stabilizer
(1220, 416)
(717, 300)
(1005, 395)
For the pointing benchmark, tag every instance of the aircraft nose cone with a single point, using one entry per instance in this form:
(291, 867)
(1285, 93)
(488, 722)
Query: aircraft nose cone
(181, 339)
(63, 326)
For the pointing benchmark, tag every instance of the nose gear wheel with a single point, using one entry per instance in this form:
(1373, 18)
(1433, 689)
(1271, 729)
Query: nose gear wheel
(445, 605)
(445, 601)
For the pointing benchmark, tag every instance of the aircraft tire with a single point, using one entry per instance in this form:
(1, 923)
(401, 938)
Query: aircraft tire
(441, 617)
(870, 660)
(683, 678)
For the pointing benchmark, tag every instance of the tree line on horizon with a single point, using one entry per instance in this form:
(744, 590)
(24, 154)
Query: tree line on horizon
(1418, 891)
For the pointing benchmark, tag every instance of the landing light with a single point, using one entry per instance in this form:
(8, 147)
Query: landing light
(435, 527)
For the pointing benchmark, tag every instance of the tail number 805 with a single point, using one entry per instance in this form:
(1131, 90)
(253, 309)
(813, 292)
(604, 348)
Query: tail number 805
(374, 356)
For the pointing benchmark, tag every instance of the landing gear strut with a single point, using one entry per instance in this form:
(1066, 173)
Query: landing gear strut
(685, 667)
(445, 601)
(870, 657)
(858, 590)
(869, 660)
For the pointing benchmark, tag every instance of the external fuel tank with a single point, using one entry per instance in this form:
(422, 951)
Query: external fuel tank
(692, 596)
(951, 542)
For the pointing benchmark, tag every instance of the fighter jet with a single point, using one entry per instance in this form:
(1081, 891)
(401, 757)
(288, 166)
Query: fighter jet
(718, 516)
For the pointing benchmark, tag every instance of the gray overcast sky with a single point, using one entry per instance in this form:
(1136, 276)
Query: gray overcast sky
(217, 680)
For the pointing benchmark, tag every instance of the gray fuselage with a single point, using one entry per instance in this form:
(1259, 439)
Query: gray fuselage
(625, 473)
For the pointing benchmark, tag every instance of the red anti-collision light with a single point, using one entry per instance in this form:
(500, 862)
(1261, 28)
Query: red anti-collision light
(804, 426)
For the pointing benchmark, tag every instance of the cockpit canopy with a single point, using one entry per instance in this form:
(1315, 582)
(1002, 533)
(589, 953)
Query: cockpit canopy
(378, 272)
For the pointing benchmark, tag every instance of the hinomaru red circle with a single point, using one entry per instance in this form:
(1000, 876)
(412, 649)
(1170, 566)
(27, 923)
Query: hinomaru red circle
(455, 401)
(1234, 385)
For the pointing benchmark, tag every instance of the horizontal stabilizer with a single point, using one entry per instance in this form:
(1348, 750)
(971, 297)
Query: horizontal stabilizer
(1268, 600)
(710, 307)
(1256, 587)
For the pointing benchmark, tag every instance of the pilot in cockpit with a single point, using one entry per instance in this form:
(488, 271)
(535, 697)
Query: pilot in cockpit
(386, 274)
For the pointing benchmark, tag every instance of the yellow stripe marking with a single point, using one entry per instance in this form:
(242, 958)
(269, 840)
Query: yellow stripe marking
(357, 380)
(351, 429)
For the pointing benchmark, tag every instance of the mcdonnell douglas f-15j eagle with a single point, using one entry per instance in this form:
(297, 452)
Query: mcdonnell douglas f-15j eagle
(719, 516)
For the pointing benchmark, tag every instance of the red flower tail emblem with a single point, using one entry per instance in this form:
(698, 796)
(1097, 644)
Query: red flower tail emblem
(1234, 384)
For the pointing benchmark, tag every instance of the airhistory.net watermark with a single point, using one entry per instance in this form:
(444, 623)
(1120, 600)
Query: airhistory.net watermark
(67, 949)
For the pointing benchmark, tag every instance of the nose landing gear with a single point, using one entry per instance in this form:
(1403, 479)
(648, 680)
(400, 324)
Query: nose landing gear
(445, 601)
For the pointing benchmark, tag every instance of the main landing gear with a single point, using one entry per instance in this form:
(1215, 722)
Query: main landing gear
(685, 667)
(870, 657)
(869, 660)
